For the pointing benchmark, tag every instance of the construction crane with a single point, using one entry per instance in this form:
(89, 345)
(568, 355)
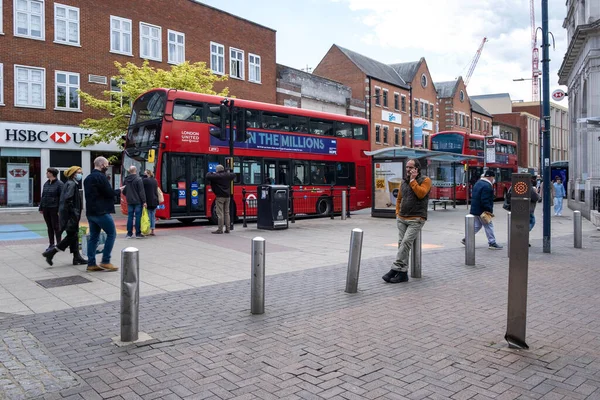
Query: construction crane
(474, 62)
(535, 56)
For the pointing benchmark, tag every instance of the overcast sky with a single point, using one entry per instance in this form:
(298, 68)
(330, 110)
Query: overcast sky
(446, 32)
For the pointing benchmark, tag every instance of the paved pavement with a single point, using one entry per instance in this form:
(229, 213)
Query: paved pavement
(436, 337)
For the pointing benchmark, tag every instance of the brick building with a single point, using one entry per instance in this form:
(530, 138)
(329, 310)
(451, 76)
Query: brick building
(51, 49)
(301, 89)
(527, 141)
(387, 94)
(455, 108)
(481, 120)
(423, 98)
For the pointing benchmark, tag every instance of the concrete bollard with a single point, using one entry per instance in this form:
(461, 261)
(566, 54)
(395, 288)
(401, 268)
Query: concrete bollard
(356, 239)
(257, 281)
(577, 229)
(415, 257)
(130, 294)
(469, 239)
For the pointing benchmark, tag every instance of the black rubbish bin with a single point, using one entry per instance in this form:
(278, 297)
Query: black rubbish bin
(272, 206)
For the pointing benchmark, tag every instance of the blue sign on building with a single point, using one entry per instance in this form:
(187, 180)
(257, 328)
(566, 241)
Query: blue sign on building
(284, 142)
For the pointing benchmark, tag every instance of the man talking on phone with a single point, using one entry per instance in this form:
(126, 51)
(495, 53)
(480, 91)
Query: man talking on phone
(411, 214)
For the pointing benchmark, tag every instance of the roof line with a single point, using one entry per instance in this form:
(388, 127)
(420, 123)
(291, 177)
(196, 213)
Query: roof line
(233, 15)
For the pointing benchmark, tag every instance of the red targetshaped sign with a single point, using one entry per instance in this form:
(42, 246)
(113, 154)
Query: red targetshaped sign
(558, 95)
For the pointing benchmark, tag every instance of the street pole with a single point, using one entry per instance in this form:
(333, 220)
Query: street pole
(546, 144)
(231, 163)
(540, 132)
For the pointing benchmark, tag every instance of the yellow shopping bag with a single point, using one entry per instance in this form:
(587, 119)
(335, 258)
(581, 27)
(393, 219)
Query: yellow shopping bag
(145, 222)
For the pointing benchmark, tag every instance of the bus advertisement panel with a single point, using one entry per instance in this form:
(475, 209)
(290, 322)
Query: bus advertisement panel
(455, 179)
(310, 151)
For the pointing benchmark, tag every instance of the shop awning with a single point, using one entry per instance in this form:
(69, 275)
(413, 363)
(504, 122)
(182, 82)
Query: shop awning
(409, 152)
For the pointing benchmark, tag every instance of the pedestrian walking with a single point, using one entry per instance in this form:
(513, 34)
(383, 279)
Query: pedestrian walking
(482, 207)
(411, 214)
(534, 199)
(100, 203)
(220, 183)
(151, 191)
(69, 212)
(49, 205)
(136, 199)
(559, 194)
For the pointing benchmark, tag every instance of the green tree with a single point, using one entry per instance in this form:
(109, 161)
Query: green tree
(133, 81)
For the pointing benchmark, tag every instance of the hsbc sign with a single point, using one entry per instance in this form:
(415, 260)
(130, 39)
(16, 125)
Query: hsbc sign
(13, 134)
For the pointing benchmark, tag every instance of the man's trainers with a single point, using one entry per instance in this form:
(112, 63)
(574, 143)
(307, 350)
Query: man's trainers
(108, 267)
(495, 246)
(464, 243)
(139, 236)
(389, 275)
(129, 237)
(399, 277)
(94, 268)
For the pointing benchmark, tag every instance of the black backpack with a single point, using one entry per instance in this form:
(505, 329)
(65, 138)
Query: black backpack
(506, 204)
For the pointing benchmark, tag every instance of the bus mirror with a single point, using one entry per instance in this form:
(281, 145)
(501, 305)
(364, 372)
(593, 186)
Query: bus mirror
(242, 124)
(217, 116)
(151, 155)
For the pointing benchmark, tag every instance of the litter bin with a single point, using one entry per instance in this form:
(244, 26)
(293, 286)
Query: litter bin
(272, 206)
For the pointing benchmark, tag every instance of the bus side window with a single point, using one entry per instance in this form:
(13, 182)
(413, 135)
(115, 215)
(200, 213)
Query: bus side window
(321, 127)
(301, 176)
(251, 172)
(275, 122)
(359, 131)
(299, 124)
(253, 119)
(343, 129)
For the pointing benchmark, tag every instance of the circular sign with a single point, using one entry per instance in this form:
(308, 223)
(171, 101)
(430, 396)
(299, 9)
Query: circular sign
(558, 95)
(520, 188)
(490, 141)
(194, 193)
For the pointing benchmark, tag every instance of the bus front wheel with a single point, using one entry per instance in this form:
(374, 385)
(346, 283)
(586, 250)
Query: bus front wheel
(323, 206)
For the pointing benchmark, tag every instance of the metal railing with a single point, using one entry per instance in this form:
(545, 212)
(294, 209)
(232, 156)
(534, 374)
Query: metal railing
(596, 198)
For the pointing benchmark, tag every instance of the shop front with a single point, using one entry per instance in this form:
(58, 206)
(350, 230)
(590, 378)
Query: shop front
(28, 149)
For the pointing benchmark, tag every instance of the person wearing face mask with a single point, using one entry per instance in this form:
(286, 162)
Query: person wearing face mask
(99, 198)
(69, 214)
(482, 202)
(49, 205)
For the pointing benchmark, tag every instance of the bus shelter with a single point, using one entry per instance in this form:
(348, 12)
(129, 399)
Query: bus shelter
(388, 173)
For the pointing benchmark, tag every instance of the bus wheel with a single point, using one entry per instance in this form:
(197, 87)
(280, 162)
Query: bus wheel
(323, 206)
(186, 221)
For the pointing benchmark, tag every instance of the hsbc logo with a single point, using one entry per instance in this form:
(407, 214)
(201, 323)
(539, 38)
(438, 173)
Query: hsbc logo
(18, 172)
(60, 137)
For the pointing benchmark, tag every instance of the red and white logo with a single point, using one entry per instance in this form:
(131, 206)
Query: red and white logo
(558, 95)
(60, 137)
(18, 172)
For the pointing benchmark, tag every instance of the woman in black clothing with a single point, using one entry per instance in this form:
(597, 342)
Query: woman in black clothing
(49, 205)
(151, 190)
(69, 214)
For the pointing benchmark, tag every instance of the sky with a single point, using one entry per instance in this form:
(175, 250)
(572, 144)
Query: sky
(447, 33)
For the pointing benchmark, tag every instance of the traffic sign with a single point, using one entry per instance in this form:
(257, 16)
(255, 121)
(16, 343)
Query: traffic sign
(558, 95)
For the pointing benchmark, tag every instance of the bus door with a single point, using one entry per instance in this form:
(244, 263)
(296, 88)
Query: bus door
(277, 171)
(186, 184)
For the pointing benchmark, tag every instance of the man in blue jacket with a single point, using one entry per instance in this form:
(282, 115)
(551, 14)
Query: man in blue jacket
(482, 200)
(100, 203)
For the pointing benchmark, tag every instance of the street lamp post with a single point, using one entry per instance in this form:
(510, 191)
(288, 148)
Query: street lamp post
(546, 145)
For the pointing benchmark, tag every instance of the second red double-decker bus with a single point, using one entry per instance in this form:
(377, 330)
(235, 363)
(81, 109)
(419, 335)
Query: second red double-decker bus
(449, 180)
(313, 152)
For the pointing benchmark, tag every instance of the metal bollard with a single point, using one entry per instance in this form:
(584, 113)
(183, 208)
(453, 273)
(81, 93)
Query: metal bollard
(257, 282)
(130, 294)
(415, 258)
(577, 227)
(356, 239)
(469, 239)
(508, 218)
(343, 204)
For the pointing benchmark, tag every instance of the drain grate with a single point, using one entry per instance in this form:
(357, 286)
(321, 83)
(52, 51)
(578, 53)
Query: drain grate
(65, 281)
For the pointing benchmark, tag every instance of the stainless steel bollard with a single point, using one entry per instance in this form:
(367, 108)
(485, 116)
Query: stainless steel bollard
(257, 295)
(469, 239)
(130, 294)
(356, 239)
(577, 227)
(344, 204)
(508, 218)
(415, 257)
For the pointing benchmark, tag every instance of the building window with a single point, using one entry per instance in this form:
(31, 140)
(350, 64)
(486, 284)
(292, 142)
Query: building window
(385, 134)
(416, 107)
(253, 68)
(396, 101)
(120, 35)
(66, 86)
(396, 136)
(385, 98)
(236, 63)
(431, 111)
(462, 120)
(30, 87)
(468, 118)
(424, 109)
(403, 103)
(377, 133)
(217, 58)
(115, 87)
(403, 137)
(29, 19)
(424, 80)
(176, 42)
(455, 118)
(1, 31)
(461, 96)
(1, 80)
(377, 96)
(150, 42)
(66, 24)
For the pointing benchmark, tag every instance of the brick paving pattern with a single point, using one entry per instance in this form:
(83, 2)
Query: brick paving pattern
(439, 337)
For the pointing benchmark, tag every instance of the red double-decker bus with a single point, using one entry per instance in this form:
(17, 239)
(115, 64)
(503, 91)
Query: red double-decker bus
(448, 180)
(313, 152)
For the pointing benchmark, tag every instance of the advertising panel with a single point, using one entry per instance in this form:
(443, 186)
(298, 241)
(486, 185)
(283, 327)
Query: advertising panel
(17, 179)
(388, 178)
